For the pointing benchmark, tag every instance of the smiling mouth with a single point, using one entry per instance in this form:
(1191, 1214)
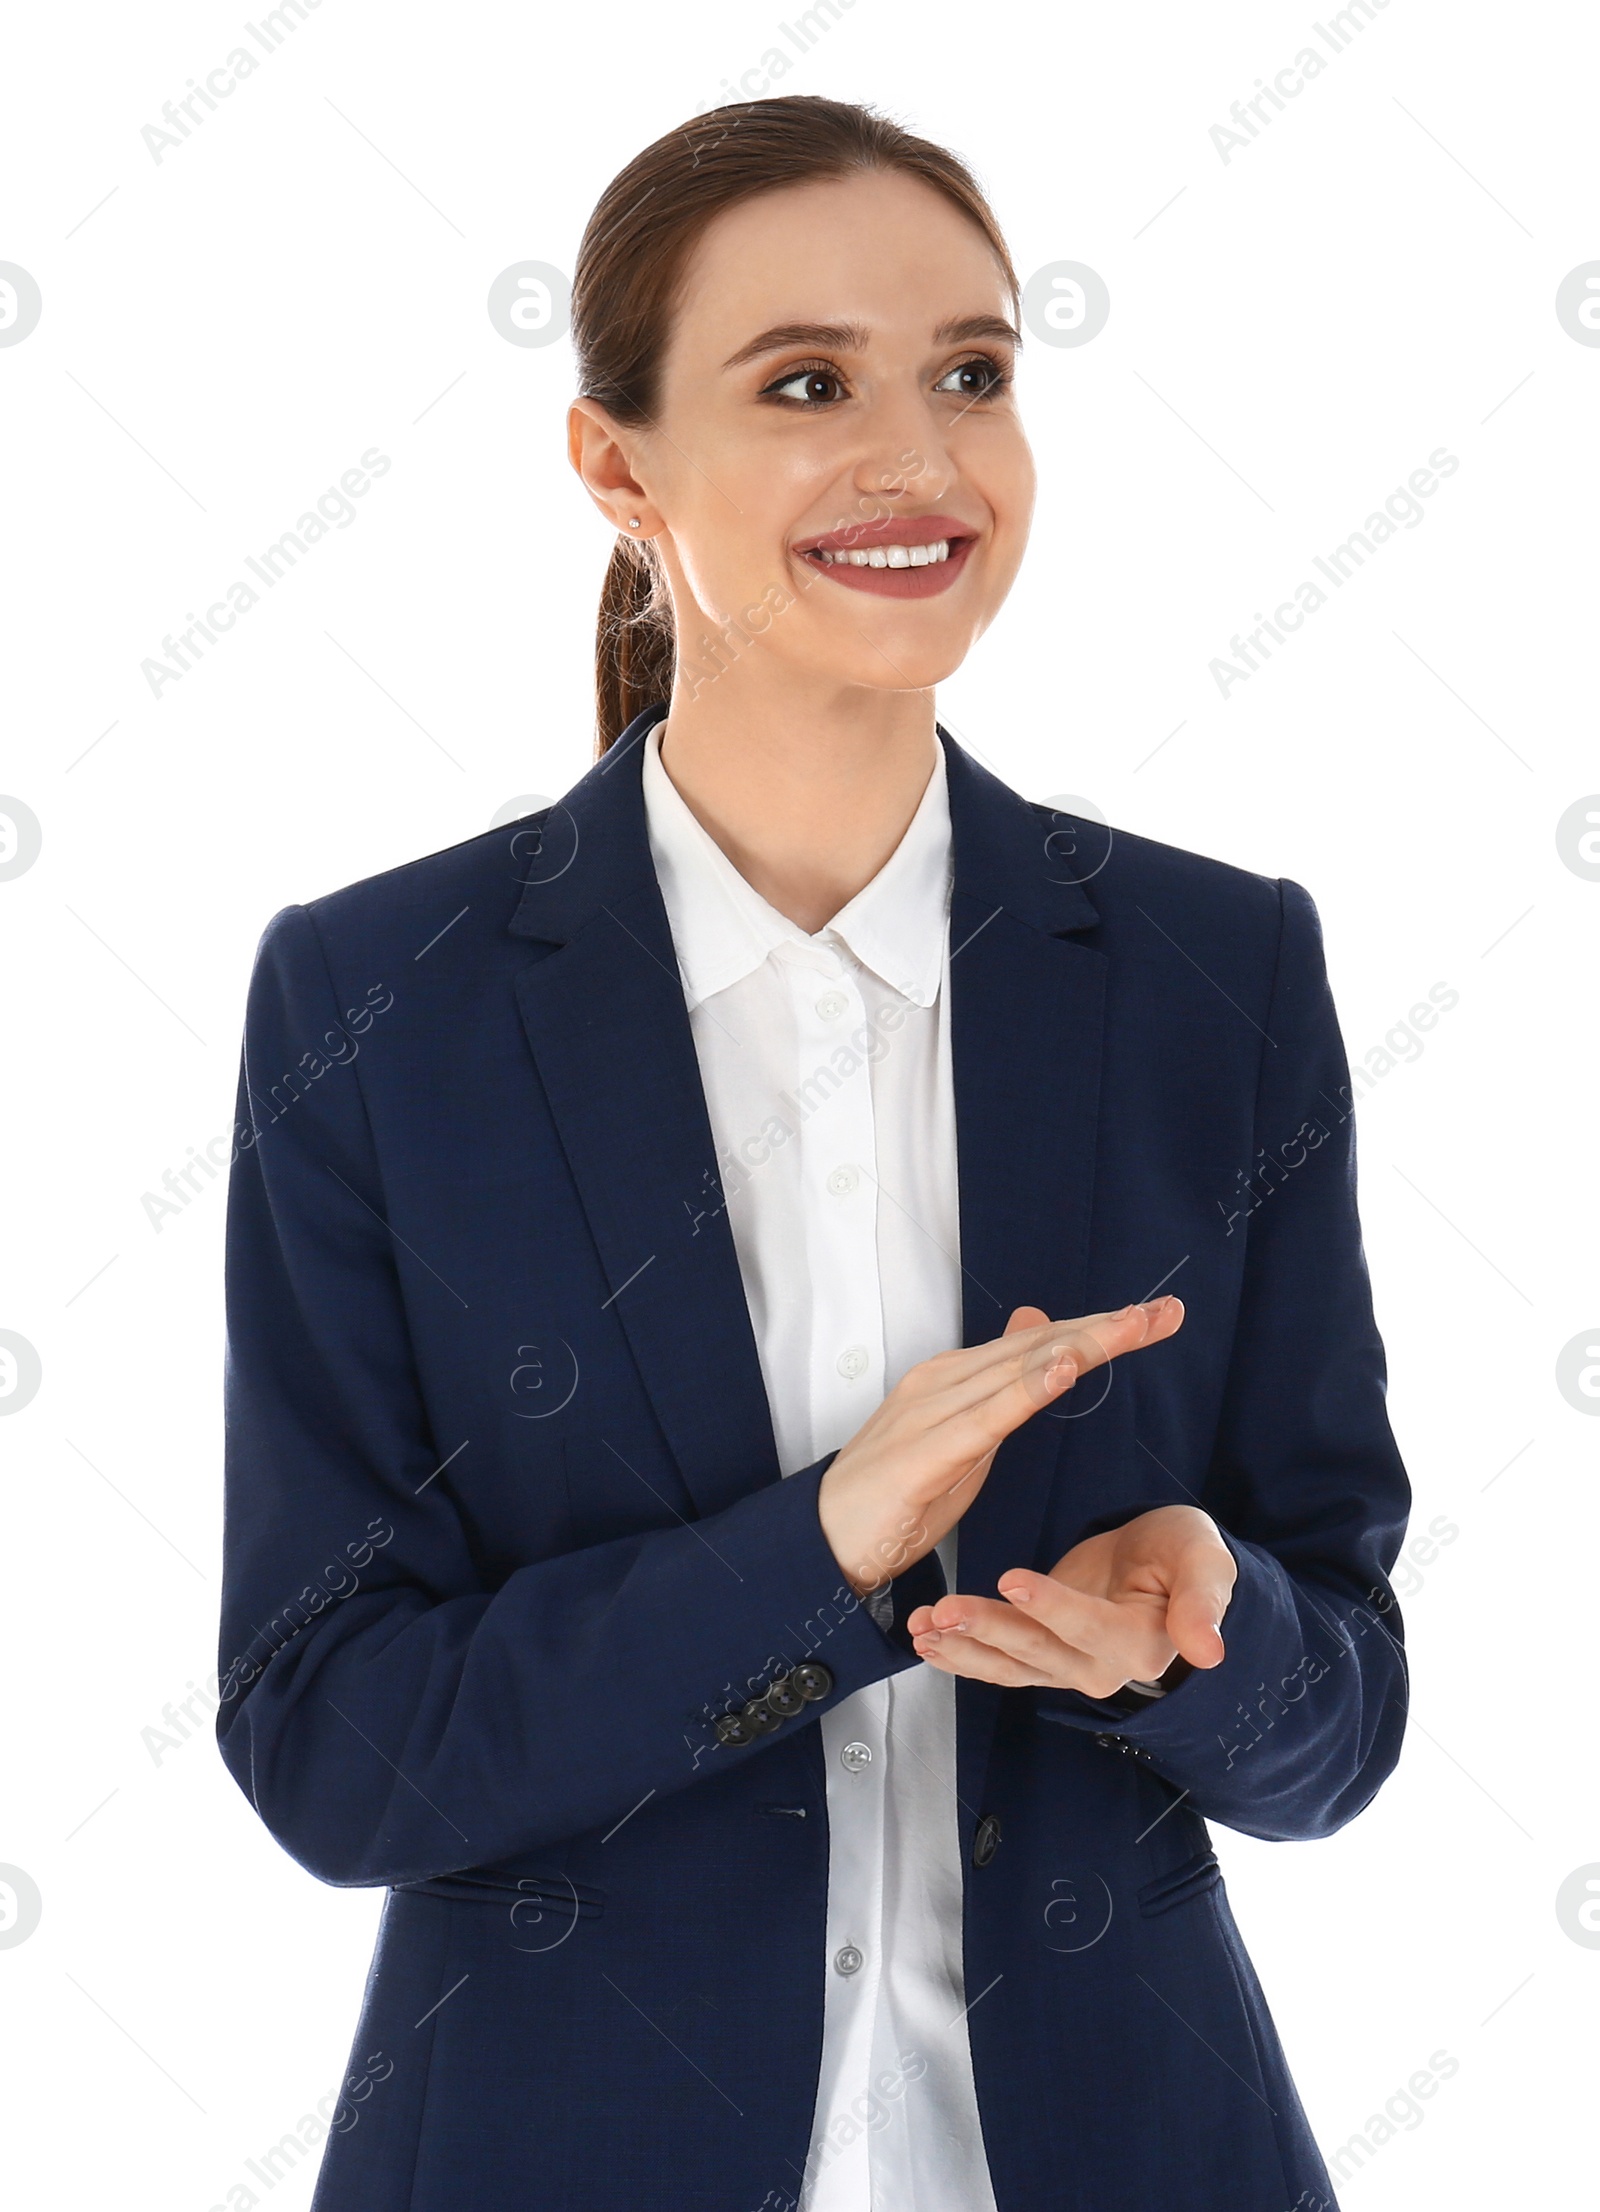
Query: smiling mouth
(905, 561)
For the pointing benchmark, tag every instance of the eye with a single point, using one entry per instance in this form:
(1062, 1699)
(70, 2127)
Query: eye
(816, 384)
(981, 378)
(809, 378)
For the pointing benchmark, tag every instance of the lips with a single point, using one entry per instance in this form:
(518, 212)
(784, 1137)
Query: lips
(859, 556)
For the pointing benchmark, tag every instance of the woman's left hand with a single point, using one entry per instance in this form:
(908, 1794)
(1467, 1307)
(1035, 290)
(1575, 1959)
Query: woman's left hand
(1116, 1608)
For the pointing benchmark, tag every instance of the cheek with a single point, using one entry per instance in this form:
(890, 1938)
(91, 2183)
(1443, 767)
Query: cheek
(735, 500)
(730, 560)
(1003, 473)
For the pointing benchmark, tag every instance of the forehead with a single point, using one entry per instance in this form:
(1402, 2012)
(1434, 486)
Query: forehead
(883, 250)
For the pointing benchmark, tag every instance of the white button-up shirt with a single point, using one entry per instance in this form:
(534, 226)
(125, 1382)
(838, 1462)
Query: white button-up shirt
(826, 1066)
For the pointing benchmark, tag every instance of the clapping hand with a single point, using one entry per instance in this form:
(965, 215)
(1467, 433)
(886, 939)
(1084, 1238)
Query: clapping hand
(1116, 1608)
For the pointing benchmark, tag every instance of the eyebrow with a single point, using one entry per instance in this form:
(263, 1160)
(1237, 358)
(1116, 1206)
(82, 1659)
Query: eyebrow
(853, 337)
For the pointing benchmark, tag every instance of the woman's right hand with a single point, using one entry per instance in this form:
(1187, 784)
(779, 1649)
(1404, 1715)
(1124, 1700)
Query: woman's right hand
(914, 1466)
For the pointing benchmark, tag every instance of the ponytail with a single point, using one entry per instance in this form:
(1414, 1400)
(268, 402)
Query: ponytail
(635, 647)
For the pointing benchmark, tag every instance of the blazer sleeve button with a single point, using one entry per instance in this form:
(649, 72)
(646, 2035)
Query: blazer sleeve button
(732, 1731)
(784, 1699)
(812, 1679)
(759, 1717)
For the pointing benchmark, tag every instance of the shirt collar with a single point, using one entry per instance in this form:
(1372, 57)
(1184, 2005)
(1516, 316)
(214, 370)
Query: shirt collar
(724, 929)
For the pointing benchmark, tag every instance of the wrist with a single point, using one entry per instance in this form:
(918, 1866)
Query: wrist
(870, 1557)
(1134, 1696)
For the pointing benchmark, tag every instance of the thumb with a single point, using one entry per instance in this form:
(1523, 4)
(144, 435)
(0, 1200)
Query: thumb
(1195, 1612)
(1026, 1317)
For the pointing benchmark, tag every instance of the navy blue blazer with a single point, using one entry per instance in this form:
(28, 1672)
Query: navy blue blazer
(506, 1534)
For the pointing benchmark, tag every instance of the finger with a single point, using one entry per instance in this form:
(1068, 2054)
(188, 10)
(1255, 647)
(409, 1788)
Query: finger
(1017, 1362)
(977, 1661)
(1094, 1339)
(1097, 1337)
(1105, 1336)
(1129, 1635)
(958, 1377)
(1004, 1628)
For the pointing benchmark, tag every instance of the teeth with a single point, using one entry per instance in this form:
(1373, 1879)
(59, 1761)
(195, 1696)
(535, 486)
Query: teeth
(889, 556)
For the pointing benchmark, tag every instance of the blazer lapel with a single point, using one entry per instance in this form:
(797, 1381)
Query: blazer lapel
(1027, 1010)
(1026, 1019)
(609, 1029)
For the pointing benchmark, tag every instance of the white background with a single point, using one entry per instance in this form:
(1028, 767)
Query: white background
(1292, 332)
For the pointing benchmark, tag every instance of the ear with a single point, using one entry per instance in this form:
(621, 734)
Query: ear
(602, 451)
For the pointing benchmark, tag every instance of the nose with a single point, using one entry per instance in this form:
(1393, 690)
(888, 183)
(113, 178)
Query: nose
(920, 472)
(904, 456)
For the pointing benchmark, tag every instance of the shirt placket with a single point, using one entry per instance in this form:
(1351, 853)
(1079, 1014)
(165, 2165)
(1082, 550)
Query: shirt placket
(838, 1175)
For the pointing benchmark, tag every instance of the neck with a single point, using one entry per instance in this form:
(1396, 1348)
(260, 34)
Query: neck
(807, 789)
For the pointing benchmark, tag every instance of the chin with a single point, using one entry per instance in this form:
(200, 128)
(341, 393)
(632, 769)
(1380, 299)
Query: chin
(898, 672)
(895, 657)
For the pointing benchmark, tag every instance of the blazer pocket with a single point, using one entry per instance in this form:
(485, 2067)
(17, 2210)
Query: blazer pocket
(1188, 1879)
(536, 1896)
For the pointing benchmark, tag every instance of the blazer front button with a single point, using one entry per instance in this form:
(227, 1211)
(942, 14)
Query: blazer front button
(987, 1840)
(812, 1679)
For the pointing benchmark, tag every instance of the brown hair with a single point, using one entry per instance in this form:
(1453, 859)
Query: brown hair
(630, 264)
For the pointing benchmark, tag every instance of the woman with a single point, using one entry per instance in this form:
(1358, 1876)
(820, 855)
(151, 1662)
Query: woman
(721, 1569)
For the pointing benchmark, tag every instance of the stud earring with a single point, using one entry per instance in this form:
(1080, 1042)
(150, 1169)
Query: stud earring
(633, 522)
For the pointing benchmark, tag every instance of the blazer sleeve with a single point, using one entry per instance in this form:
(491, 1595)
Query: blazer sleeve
(390, 1715)
(1297, 1727)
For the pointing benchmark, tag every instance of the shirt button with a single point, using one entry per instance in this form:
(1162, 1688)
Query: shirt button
(831, 1005)
(855, 1756)
(853, 1362)
(848, 1960)
(843, 1180)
